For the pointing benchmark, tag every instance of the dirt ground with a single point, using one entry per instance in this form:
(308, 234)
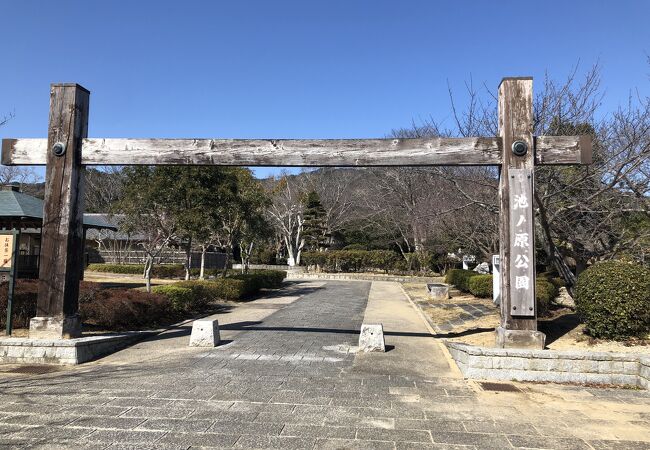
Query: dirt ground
(563, 329)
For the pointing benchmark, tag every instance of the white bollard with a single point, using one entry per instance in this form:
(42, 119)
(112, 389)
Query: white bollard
(205, 333)
(371, 338)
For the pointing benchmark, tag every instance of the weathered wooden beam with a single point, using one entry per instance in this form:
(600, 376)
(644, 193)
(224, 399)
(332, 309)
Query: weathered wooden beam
(299, 152)
(61, 248)
(562, 150)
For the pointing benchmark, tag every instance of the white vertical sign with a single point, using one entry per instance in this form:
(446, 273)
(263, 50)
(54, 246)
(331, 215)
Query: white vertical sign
(522, 243)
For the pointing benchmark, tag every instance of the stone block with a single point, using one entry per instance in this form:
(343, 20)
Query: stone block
(525, 339)
(371, 338)
(438, 291)
(205, 333)
(55, 327)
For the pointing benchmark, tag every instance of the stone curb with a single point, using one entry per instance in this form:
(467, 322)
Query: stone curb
(551, 365)
(65, 351)
(74, 351)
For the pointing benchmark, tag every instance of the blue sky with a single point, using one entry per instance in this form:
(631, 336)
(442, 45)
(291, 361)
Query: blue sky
(289, 69)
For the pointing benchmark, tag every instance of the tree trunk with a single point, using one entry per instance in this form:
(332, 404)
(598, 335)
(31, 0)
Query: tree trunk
(224, 272)
(147, 272)
(204, 249)
(291, 261)
(188, 259)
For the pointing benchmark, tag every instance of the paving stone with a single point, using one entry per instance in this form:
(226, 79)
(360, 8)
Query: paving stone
(157, 413)
(39, 419)
(547, 442)
(421, 446)
(122, 423)
(312, 431)
(348, 444)
(379, 434)
(429, 424)
(189, 425)
(121, 436)
(619, 445)
(199, 439)
(283, 442)
(480, 440)
(246, 428)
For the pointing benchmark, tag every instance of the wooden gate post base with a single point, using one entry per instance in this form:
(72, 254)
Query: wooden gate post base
(528, 339)
(55, 327)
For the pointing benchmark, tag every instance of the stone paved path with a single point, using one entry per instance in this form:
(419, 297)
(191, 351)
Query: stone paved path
(286, 381)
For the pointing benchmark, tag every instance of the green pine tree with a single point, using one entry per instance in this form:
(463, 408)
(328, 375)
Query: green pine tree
(314, 225)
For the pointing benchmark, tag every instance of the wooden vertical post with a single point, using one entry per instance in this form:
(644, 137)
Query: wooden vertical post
(61, 247)
(518, 326)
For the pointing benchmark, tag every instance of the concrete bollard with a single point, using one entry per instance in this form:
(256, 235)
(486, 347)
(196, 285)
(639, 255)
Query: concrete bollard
(205, 333)
(371, 338)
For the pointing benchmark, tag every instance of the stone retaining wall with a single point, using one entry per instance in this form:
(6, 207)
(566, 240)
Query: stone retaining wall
(552, 366)
(65, 351)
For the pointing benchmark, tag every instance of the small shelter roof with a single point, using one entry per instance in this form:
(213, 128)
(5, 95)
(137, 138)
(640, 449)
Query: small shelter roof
(18, 207)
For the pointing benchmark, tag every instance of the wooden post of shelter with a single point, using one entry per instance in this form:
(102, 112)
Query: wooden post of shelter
(515, 151)
(62, 245)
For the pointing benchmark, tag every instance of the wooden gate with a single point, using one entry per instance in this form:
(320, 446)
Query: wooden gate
(67, 149)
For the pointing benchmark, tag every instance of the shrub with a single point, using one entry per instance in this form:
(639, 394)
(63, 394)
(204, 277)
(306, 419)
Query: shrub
(24, 302)
(545, 293)
(613, 300)
(25, 297)
(182, 299)
(355, 247)
(558, 282)
(459, 278)
(271, 279)
(125, 309)
(481, 286)
(229, 288)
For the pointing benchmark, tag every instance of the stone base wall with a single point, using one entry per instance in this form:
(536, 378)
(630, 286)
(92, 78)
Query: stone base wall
(64, 351)
(551, 366)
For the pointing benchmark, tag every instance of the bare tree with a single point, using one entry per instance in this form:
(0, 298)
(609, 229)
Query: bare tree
(103, 187)
(583, 213)
(336, 188)
(15, 174)
(286, 215)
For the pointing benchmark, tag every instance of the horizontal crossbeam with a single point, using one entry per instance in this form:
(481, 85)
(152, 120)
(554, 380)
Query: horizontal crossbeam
(300, 152)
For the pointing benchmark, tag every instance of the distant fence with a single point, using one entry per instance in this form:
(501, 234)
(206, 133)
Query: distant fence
(213, 260)
(262, 267)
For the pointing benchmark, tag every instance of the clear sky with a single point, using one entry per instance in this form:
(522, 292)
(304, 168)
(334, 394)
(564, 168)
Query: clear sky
(289, 69)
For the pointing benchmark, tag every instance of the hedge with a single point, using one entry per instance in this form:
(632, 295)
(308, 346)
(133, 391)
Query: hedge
(481, 286)
(157, 271)
(460, 278)
(545, 293)
(234, 287)
(613, 299)
(352, 260)
(131, 309)
(112, 309)
(182, 298)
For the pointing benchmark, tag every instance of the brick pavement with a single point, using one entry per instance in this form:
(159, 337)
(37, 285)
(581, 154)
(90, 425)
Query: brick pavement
(276, 386)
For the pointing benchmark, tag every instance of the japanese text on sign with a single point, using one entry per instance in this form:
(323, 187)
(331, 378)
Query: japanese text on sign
(6, 251)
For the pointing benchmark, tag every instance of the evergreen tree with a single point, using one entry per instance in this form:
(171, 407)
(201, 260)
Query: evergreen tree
(314, 225)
